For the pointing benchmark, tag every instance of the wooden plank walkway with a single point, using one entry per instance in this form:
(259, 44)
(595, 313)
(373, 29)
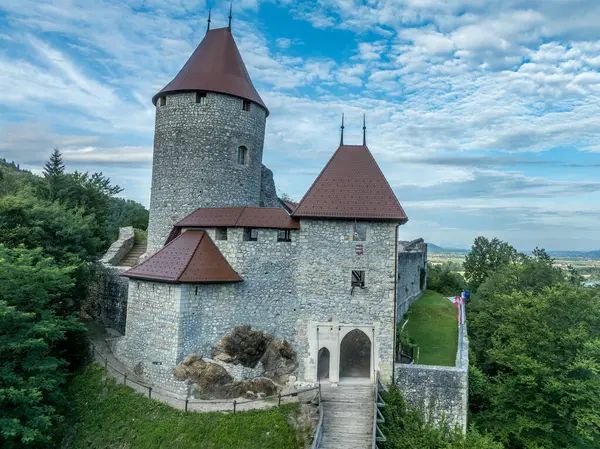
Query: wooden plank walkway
(348, 416)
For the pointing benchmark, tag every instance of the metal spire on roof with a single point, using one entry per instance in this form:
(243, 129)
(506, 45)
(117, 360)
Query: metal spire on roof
(342, 128)
(208, 25)
(364, 130)
(230, 8)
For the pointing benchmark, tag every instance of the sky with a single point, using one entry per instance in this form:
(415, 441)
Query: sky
(483, 115)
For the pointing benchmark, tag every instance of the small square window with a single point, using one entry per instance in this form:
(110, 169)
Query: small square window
(358, 278)
(284, 235)
(242, 156)
(246, 105)
(221, 234)
(250, 234)
(201, 98)
(359, 232)
(163, 100)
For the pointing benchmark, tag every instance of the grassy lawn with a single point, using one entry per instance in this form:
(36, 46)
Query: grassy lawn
(432, 325)
(123, 419)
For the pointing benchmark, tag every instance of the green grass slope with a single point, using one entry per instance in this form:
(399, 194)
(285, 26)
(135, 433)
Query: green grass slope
(121, 418)
(432, 325)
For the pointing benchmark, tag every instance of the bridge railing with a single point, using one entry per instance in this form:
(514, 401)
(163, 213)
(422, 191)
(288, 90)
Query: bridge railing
(378, 418)
(318, 433)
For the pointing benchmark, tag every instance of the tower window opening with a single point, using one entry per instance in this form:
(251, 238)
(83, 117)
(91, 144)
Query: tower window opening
(246, 105)
(221, 234)
(201, 98)
(284, 235)
(163, 100)
(358, 278)
(242, 156)
(250, 234)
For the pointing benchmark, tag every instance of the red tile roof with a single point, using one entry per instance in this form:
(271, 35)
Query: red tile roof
(291, 205)
(351, 186)
(215, 66)
(232, 217)
(192, 257)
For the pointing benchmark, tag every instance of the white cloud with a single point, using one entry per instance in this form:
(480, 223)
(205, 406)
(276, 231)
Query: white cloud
(480, 76)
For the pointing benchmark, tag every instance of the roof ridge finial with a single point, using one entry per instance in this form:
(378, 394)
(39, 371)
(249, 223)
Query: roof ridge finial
(230, 9)
(364, 130)
(208, 25)
(342, 128)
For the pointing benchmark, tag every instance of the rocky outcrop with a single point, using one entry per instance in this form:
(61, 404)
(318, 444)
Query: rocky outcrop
(279, 360)
(249, 347)
(211, 381)
(208, 378)
(242, 346)
(243, 352)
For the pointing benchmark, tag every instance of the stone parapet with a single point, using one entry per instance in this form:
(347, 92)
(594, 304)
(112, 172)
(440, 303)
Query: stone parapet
(120, 247)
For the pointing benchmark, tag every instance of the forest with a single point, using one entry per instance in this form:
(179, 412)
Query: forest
(52, 228)
(534, 374)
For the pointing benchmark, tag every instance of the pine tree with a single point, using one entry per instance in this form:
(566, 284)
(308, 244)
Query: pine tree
(54, 171)
(54, 168)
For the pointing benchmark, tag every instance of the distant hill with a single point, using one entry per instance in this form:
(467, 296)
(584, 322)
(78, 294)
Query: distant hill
(432, 248)
(576, 254)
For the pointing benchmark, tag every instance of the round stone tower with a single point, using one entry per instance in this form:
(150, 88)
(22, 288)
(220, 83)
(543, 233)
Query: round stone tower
(208, 140)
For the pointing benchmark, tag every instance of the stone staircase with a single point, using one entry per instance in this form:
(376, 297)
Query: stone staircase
(347, 416)
(132, 258)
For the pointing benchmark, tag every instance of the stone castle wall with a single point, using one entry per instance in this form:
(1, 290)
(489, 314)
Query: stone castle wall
(106, 297)
(288, 288)
(440, 390)
(195, 158)
(412, 277)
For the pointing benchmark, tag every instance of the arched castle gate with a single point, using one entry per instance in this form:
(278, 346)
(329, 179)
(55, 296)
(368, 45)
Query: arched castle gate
(342, 352)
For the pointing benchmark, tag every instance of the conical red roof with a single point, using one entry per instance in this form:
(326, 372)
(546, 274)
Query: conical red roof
(215, 66)
(351, 186)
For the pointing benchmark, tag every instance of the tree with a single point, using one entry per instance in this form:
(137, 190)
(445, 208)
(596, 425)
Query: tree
(487, 256)
(65, 234)
(32, 369)
(124, 212)
(442, 279)
(55, 167)
(539, 383)
(54, 171)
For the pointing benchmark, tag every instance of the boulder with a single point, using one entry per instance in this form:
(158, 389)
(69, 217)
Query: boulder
(279, 360)
(208, 378)
(242, 346)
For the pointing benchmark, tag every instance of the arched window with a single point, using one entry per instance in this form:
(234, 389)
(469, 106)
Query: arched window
(242, 155)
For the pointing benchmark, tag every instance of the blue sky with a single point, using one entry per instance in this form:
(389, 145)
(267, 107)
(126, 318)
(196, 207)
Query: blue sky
(483, 115)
